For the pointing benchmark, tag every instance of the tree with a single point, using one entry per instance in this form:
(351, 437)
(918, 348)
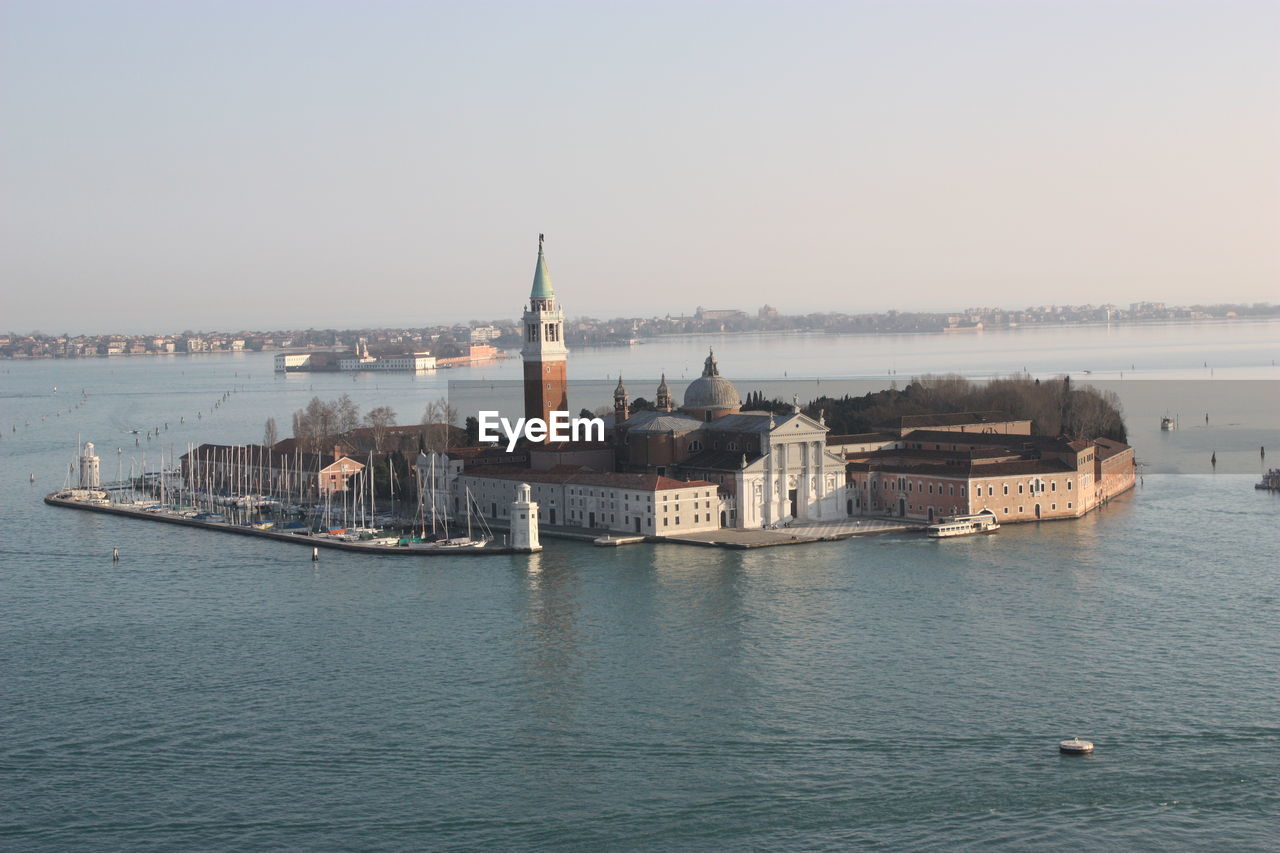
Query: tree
(346, 414)
(437, 419)
(379, 420)
(269, 437)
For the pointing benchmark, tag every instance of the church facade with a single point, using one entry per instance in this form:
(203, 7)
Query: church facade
(771, 469)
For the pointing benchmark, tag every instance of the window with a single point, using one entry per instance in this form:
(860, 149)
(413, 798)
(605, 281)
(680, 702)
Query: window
(1068, 488)
(695, 518)
(533, 331)
(1019, 488)
(695, 445)
(1006, 488)
(664, 522)
(677, 520)
(1053, 487)
(1006, 510)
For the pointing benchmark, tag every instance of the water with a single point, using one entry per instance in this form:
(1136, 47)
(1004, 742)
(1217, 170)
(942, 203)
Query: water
(213, 691)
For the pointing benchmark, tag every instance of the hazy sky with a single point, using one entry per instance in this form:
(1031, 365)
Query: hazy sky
(178, 164)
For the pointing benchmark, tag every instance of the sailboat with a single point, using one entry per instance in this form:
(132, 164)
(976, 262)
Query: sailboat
(468, 541)
(436, 540)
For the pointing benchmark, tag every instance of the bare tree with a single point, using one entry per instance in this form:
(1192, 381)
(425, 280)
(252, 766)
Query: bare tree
(378, 420)
(269, 436)
(346, 414)
(438, 420)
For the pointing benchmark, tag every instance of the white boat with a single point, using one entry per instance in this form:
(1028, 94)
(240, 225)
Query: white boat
(1075, 746)
(964, 525)
(1168, 424)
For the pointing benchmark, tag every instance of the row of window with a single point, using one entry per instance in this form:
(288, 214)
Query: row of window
(911, 486)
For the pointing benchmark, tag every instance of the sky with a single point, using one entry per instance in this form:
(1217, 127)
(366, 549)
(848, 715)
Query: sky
(303, 163)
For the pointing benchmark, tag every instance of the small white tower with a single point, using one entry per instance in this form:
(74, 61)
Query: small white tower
(524, 520)
(89, 477)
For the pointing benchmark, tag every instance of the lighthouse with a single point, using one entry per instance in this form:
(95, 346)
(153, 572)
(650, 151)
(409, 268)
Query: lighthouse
(89, 476)
(524, 520)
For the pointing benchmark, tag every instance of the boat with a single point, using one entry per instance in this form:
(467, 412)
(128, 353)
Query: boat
(1168, 424)
(1270, 481)
(964, 525)
(1075, 746)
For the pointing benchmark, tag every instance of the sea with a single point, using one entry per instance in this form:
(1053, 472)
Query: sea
(214, 692)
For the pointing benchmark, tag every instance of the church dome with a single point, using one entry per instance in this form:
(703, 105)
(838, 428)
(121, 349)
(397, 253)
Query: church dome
(711, 390)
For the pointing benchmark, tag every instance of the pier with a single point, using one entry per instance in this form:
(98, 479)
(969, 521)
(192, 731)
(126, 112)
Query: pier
(305, 538)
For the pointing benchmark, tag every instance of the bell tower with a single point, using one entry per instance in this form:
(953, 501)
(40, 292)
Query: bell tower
(546, 379)
(621, 402)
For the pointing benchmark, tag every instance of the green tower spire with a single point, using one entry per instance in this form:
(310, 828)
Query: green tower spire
(542, 288)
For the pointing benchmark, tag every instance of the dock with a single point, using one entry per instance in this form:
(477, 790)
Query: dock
(305, 539)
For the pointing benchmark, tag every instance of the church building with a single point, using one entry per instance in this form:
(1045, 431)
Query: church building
(771, 469)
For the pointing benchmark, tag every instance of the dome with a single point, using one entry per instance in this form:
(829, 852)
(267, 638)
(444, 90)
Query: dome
(711, 390)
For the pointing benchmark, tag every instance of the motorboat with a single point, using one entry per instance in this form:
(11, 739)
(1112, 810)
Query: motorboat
(964, 525)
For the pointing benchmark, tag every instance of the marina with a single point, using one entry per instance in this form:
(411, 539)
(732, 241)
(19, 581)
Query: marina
(387, 545)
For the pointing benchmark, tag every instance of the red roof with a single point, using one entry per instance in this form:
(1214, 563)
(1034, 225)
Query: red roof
(577, 476)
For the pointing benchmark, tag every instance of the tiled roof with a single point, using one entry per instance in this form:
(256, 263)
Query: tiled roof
(1042, 442)
(860, 438)
(953, 419)
(718, 460)
(973, 470)
(572, 475)
(1109, 447)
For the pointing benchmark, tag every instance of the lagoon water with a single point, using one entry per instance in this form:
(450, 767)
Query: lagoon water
(215, 692)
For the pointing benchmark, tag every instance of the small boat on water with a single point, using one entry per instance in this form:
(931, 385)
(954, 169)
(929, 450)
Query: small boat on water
(1270, 481)
(1076, 746)
(1168, 424)
(964, 525)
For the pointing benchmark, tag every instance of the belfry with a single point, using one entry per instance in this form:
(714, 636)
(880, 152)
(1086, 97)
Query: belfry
(546, 381)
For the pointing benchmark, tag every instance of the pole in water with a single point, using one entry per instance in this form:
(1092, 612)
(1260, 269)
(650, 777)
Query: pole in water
(115, 555)
(315, 555)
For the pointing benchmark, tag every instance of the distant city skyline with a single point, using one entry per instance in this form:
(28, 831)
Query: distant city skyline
(336, 165)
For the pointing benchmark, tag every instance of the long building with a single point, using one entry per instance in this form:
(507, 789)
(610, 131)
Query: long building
(605, 501)
(931, 474)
